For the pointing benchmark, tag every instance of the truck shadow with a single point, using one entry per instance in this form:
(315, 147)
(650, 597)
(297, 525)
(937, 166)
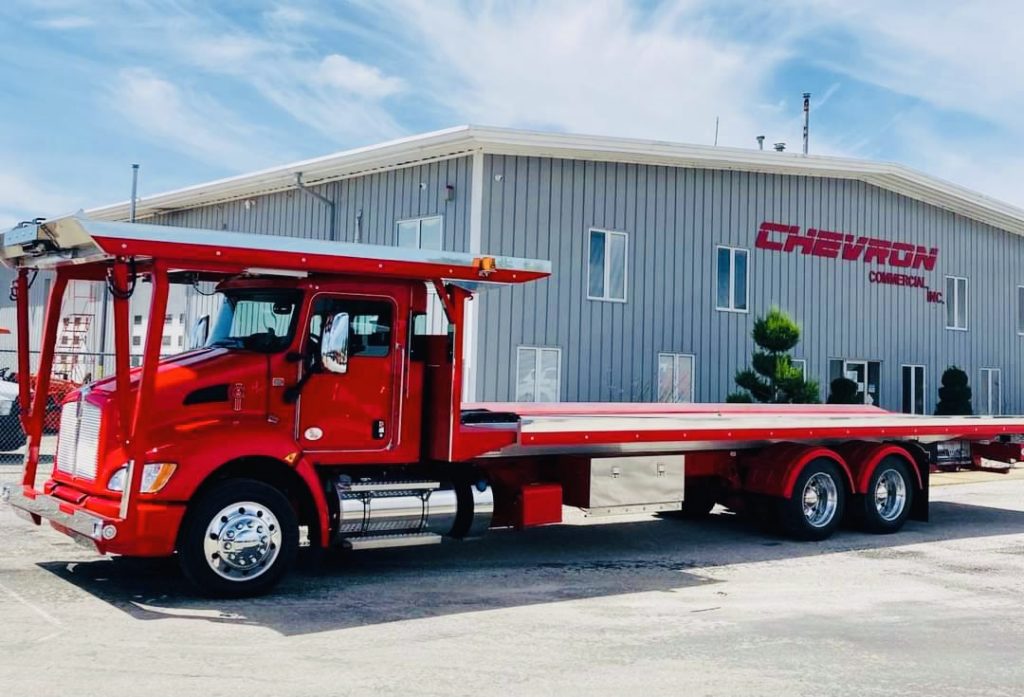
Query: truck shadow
(508, 569)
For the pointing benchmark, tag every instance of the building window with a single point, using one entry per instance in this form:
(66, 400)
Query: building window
(136, 341)
(732, 279)
(607, 275)
(538, 374)
(168, 318)
(990, 396)
(181, 318)
(913, 389)
(865, 374)
(675, 377)
(420, 233)
(137, 320)
(136, 361)
(1020, 310)
(956, 303)
(181, 341)
(166, 341)
(801, 365)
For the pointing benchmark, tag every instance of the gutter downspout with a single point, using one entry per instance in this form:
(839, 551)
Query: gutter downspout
(323, 199)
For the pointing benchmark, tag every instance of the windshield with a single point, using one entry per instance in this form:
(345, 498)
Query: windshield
(256, 320)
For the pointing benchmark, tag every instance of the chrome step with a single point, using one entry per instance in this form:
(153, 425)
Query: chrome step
(388, 486)
(383, 541)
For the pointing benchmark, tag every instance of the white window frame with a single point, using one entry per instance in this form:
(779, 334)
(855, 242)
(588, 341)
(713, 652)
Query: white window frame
(924, 387)
(536, 372)
(675, 367)
(986, 378)
(732, 280)
(419, 229)
(1020, 310)
(607, 267)
(802, 362)
(957, 299)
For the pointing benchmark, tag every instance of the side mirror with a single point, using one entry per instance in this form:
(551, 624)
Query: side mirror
(334, 344)
(200, 332)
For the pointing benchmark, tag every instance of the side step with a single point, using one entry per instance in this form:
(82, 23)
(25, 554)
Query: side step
(382, 541)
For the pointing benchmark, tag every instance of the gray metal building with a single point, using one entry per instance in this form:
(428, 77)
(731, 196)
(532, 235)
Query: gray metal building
(663, 255)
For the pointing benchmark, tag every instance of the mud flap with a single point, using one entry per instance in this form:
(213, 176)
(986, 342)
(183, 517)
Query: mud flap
(919, 509)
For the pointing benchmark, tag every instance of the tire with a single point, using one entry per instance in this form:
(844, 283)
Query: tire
(238, 539)
(815, 509)
(886, 506)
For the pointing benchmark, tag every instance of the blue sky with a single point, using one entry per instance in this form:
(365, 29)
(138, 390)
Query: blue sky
(200, 90)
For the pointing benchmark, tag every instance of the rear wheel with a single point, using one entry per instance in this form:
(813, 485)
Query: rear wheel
(886, 505)
(815, 508)
(239, 538)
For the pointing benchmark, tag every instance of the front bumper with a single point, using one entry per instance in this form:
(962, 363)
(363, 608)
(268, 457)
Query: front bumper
(69, 517)
(151, 533)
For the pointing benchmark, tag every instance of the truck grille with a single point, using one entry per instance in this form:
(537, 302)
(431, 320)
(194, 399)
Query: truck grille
(78, 440)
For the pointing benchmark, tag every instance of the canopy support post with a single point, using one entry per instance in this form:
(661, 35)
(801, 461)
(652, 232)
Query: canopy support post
(42, 386)
(144, 402)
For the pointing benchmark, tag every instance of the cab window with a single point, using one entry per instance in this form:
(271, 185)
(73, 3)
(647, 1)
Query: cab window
(370, 324)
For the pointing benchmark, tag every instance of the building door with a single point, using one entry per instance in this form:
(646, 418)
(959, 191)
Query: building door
(990, 398)
(353, 411)
(866, 375)
(912, 381)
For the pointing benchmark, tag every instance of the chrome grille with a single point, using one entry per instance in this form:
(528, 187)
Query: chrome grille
(79, 439)
(67, 437)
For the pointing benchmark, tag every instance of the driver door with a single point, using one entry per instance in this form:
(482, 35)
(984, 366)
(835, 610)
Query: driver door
(354, 411)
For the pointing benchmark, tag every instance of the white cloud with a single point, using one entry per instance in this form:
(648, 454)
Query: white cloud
(66, 22)
(344, 73)
(23, 196)
(606, 68)
(187, 121)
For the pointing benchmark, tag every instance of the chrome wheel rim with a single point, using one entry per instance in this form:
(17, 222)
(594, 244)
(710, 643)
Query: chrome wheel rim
(820, 498)
(242, 541)
(890, 495)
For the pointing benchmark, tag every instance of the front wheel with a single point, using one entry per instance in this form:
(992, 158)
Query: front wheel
(814, 510)
(238, 539)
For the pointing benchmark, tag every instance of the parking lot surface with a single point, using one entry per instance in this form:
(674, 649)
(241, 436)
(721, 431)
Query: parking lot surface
(618, 606)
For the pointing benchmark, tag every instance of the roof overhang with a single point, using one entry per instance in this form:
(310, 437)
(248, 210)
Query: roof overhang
(466, 140)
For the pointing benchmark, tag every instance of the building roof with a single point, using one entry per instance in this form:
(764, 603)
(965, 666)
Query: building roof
(466, 140)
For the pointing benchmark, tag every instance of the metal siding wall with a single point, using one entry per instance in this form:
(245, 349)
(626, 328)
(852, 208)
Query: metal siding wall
(383, 198)
(674, 218)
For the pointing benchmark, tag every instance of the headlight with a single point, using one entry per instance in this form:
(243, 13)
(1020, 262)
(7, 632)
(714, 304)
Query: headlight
(154, 477)
(5, 406)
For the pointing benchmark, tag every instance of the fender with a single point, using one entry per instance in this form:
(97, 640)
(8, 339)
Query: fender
(774, 470)
(212, 444)
(864, 456)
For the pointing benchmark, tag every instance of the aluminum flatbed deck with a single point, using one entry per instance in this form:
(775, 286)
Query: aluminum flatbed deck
(583, 427)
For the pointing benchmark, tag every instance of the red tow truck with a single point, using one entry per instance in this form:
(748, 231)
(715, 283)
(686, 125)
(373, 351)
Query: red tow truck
(318, 408)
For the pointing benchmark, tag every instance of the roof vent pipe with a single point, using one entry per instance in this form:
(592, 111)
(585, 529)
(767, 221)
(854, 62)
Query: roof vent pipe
(807, 117)
(135, 193)
(324, 200)
(779, 147)
(760, 142)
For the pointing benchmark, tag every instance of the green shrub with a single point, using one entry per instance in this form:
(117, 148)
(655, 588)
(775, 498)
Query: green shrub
(772, 377)
(955, 393)
(843, 391)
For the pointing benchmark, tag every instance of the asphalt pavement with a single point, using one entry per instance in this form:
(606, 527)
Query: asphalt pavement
(633, 606)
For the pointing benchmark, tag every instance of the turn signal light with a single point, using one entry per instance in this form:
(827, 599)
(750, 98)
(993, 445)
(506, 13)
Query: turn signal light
(485, 265)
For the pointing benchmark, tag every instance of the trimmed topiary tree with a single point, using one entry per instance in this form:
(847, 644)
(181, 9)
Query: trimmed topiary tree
(955, 393)
(843, 391)
(772, 377)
